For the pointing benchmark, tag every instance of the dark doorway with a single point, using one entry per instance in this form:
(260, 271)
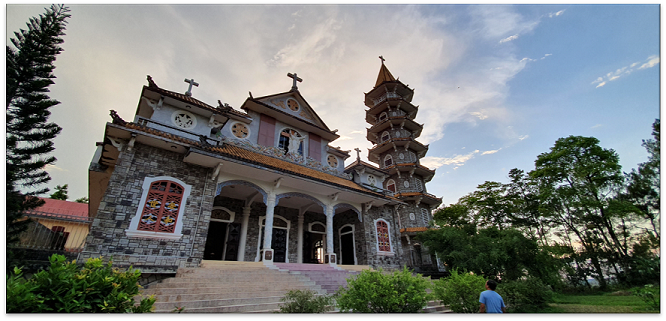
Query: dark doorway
(233, 239)
(313, 248)
(217, 232)
(278, 243)
(347, 248)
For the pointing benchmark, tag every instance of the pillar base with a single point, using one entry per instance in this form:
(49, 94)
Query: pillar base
(267, 256)
(330, 259)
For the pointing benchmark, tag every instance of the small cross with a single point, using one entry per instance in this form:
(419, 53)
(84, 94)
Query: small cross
(295, 77)
(382, 58)
(358, 153)
(191, 82)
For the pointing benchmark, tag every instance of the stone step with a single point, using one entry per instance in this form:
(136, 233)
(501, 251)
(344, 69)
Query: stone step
(240, 308)
(211, 303)
(230, 291)
(172, 298)
(234, 279)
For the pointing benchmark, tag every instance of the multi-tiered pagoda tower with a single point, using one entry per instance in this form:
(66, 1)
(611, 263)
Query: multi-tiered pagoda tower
(394, 132)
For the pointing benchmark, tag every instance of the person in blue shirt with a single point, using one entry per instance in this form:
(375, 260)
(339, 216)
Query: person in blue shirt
(491, 302)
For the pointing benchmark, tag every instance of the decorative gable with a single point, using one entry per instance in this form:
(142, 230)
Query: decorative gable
(295, 106)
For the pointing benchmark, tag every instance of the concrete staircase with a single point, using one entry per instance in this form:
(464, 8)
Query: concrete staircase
(248, 287)
(227, 287)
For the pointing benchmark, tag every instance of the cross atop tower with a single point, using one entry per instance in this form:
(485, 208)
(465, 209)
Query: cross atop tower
(382, 58)
(358, 153)
(295, 78)
(191, 82)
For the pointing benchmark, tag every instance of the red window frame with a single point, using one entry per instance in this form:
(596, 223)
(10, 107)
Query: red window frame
(383, 240)
(160, 211)
(391, 186)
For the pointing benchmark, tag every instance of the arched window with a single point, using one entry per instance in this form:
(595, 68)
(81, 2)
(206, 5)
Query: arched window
(383, 236)
(383, 116)
(385, 136)
(160, 211)
(388, 160)
(426, 215)
(291, 142)
(390, 185)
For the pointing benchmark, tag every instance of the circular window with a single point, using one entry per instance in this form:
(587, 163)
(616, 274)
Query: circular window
(397, 134)
(183, 119)
(332, 161)
(406, 183)
(412, 217)
(401, 156)
(371, 180)
(292, 104)
(239, 130)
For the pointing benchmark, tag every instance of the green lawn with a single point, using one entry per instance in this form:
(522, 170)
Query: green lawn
(597, 303)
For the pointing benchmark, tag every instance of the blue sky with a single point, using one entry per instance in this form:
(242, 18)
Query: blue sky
(496, 84)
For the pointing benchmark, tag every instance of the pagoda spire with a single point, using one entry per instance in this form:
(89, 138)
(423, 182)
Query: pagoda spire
(384, 74)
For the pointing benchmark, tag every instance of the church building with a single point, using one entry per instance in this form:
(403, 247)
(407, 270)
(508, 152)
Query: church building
(184, 181)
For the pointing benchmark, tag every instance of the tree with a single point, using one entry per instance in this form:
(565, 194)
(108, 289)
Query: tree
(581, 178)
(29, 134)
(82, 200)
(61, 193)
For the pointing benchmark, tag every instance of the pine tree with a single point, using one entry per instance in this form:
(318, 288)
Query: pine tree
(29, 134)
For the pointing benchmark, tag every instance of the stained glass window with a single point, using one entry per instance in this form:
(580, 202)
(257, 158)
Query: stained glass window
(383, 240)
(160, 212)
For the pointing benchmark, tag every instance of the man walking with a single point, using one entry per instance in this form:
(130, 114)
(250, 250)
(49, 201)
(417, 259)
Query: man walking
(491, 302)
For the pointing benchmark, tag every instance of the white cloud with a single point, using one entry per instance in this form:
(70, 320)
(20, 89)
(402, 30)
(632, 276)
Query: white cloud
(510, 38)
(358, 132)
(615, 75)
(555, 14)
(523, 137)
(434, 162)
(50, 167)
(596, 126)
(488, 152)
(479, 115)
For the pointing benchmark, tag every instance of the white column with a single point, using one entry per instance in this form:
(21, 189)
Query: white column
(329, 229)
(243, 233)
(268, 228)
(300, 238)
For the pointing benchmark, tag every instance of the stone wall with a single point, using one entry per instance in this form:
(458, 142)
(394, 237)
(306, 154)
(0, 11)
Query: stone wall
(375, 259)
(120, 203)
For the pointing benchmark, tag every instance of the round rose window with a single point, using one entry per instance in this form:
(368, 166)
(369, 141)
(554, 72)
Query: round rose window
(183, 119)
(332, 161)
(292, 104)
(239, 130)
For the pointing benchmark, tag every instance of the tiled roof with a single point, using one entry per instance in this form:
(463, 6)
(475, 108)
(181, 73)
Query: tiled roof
(339, 149)
(235, 152)
(384, 76)
(414, 229)
(417, 194)
(189, 99)
(360, 162)
(411, 164)
(58, 209)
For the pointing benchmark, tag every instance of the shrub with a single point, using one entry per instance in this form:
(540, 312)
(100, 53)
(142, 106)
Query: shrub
(307, 301)
(69, 288)
(649, 294)
(525, 296)
(460, 291)
(376, 292)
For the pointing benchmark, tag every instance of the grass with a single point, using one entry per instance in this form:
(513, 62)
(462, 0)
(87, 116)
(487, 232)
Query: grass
(596, 303)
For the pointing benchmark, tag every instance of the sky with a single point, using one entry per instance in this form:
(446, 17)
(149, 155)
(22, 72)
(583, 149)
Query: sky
(496, 85)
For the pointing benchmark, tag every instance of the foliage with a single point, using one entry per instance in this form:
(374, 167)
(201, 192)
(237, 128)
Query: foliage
(460, 291)
(376, 292)
(525, 296)
(305, 301)
(29, 135)
(82, 200)
(60, 193)
(70, 288)
(649, 294)
(490, 252)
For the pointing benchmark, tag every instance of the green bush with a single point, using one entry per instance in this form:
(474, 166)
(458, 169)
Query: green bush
(70, 288)
(376, 292)
(307, 301)
(460, 291)
(525, 296)
(649, 294)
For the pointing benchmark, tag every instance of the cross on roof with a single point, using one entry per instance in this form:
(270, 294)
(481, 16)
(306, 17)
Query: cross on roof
(295, 78)
(358, 153)
(191, 82)
(382, 58)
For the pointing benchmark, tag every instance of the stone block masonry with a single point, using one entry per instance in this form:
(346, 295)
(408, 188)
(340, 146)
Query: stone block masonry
(119, 205)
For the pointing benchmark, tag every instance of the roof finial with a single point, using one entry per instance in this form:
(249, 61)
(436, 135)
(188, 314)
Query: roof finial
(382, 58)
(191, 82)
(295, 78)
(358, 154)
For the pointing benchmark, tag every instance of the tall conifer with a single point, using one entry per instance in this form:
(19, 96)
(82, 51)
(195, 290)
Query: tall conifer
(29, 134)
